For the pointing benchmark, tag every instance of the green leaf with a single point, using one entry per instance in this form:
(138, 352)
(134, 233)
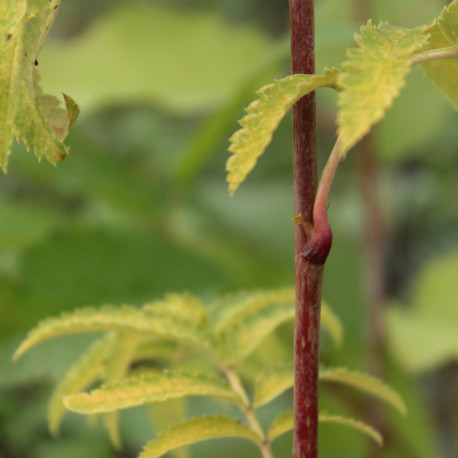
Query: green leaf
(264, 115)
(228, 309)
(373, 77)
(424, 336)
(80, 376)
(196, 430)
(281, 425)
(443, 32)
(151, 388)
(365, 383)
(109, 318)
(285, 422)
(167, 414)
(243, 320)
(331, 323)
(352, 423)
(238, 336)
(180, 307)
(24, 111)
(448, 22)
(118, 364)
(270, 385)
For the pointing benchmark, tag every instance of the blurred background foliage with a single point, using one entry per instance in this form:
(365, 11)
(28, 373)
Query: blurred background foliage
(140, 208)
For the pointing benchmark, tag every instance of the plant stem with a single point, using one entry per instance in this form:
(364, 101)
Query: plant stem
(312, 244)
(248, 411)
(435, 54)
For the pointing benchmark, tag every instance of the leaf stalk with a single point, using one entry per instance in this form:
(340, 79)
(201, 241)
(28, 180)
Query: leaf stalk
(435, 54)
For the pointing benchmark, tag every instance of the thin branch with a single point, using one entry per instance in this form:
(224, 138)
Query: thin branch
(248, 411)
(434, 54)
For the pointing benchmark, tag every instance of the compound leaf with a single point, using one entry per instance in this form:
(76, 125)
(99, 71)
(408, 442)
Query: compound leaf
(196, 430)
(109, 318)
(281, 425)
(263, 117)
(246, 330)
(243, 320)
(285, 422)
(272, 384)
(373, 77)
(25, 113)
(366, 383)
(117, 366)
(443, 33)
(352, 423)
(81, 375)
(147, 389)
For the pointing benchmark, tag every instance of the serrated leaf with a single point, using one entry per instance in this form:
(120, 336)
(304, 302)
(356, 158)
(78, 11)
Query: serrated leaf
(366, 383)
(285, 422)
(151, 388)
(352, 423)
(332, 324)
(180, 306)
(241, 335)
(109, 318)
(448, 22)
(80, 376)
(197, 430)
(167, 414)
(263, 117)
(228, 309)
(118, 364)
(373, 77)
(23, 108)
(243, 320)
(270, 385)
(442, 33)
(281, 425)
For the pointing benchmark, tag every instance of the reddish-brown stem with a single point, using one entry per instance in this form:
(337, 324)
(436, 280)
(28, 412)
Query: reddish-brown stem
(309, 265)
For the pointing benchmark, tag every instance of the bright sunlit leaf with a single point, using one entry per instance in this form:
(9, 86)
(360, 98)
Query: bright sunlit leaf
(443, 33)
(263, 117)
(366, 383)
(150, 388)
(197, 430)
(25, 113)
(373, 77)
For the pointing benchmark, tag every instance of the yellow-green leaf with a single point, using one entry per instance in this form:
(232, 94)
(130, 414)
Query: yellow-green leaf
(366, 383)
(443, 33)
(285, 422)
(373, 77)
(24, 111)
(167, 414)
(151, 388)
(181, 307)
(263, 117)
(109, 318)
(270, 385)
(196, 430)
(281, 425)
(352, 423)
(242, 334)
(81, 375)
(448, 22)
(118, 364)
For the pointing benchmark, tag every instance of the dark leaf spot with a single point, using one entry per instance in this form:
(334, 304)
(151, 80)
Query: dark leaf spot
(9, 36)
